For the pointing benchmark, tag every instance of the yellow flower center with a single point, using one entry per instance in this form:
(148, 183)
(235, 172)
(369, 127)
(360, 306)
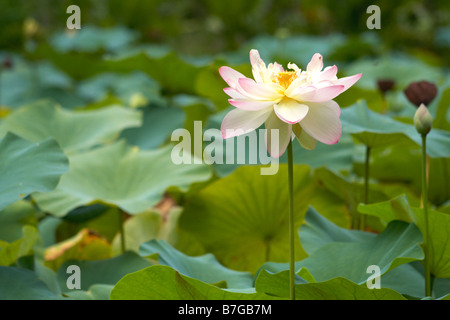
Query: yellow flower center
(285, 78)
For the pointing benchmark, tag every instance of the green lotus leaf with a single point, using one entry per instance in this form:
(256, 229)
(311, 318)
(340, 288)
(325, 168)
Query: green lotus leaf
(375, 130)
(164, 283)
(26, 167)
(351, 259)
(439, 228)
(23, 284)
(204, 268)
(120, 175)
(243, 218)
(334, 289)
(73, 131)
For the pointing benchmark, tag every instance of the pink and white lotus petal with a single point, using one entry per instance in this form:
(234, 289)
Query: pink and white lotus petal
(313, 94)
(290, 111)
(259, 69)
(233, 93)
(316, 63)
(238, 122)
(347, 82)
(322, 122)
(329, 73)
(333, 105)
(274, 68)
(258, 90)
(230, 76)
(277, 147)
(253, 105)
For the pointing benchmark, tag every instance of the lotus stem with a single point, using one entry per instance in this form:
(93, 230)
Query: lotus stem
(291, 223)
(366, 186)
(425, 212)
(122, 231)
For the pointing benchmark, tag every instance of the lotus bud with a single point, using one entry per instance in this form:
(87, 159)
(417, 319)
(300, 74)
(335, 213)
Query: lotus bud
(423, 120)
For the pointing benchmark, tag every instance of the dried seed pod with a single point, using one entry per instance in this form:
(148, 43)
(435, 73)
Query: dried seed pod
(7, 63)
(385, 85)
(421, 92)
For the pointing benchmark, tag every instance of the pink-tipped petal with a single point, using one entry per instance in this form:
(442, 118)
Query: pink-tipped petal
(258, 91)
(316, 63)
(333, 105)
(329, 73)
(347, 82)
(252, 105)
(290, 111)
(233, 93)
(312, 94)
(275, 68)
(230, 76)
(238, 122)
(276, 147)
(322, 122)
(259, 69)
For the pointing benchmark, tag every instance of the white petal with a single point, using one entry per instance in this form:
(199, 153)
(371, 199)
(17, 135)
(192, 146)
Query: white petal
(316, 64)
(293, 66)
(314, 94)
(290, 111)
(275, 67)
(259, 69)
(322, 122)
(238, 122)
(233, 93)
(305, 140)
(251, 104)
(274, 125)
(230, 76)
(258, 90)
(329, 73)
(347, 82)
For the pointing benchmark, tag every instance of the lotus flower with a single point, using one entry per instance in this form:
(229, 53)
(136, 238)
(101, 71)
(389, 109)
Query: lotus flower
(297, 103)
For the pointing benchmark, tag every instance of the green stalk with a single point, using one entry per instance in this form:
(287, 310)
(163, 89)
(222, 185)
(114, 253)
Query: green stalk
(122, 231)
(366, 186)
(291, 223)
(425, 212)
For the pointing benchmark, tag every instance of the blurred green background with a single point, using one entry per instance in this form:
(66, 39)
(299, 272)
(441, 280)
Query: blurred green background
(212, 26)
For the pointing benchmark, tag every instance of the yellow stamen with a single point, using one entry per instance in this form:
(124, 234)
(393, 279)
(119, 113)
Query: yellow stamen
(285, 78)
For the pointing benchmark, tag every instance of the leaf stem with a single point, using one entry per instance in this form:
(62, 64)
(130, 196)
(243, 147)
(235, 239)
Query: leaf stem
(362, 221)
(122, 231)
(291, 223)
(425, 212)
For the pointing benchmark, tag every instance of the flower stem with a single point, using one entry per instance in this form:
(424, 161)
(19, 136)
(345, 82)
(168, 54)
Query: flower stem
(425, 212)
(362, 222)
(291, 223)
(122, 231)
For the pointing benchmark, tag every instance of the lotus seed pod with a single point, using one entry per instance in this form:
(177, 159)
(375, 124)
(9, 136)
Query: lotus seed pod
(421, 92)
(385, 85)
